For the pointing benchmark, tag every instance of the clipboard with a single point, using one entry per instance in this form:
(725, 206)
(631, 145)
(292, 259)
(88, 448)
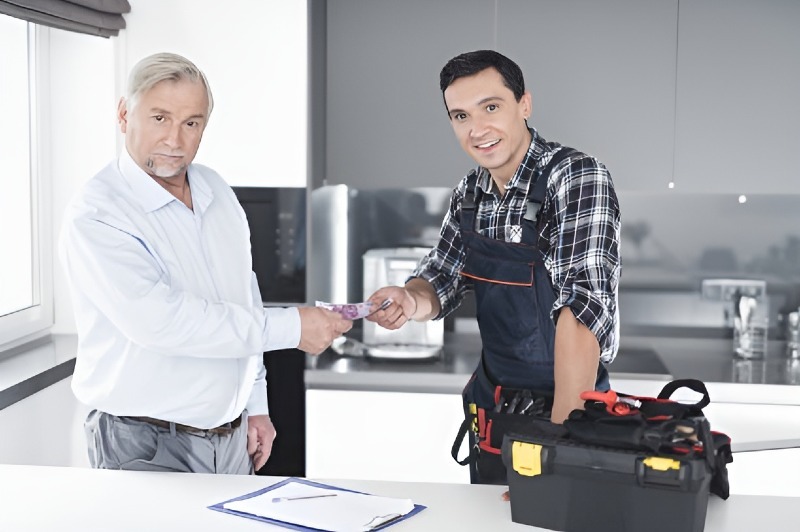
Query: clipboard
(220, 507)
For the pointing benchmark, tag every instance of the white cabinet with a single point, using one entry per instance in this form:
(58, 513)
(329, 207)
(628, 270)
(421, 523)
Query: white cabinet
(408, 436)
(602, 77)
(737, 109)
(383, 436)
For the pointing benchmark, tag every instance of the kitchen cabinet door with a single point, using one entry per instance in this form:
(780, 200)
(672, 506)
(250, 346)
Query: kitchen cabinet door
(602, 77)
(383, 436)
(386, 123)
(737, 111)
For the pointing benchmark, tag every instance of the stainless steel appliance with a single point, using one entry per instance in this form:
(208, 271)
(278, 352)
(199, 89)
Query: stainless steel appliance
(347, 222)
(414, 340)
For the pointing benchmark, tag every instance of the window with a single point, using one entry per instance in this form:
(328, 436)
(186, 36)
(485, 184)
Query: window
(25, 268)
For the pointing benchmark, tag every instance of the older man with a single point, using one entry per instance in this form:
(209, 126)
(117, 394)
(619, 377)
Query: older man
(170, 322)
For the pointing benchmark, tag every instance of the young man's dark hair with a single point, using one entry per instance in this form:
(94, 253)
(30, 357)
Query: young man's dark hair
(470, 63)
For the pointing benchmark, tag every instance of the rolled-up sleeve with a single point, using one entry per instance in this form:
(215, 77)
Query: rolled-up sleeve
(583, 257)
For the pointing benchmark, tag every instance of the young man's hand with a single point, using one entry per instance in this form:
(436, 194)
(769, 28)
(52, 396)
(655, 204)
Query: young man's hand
(402, 307)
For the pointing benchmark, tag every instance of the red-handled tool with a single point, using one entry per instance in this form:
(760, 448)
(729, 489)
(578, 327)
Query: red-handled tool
(615, 404)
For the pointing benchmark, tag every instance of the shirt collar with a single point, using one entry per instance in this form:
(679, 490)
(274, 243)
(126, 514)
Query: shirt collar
(522, 177)
(152, 196)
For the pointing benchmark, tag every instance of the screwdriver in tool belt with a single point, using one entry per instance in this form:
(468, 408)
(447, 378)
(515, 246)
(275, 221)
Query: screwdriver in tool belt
(525, 405)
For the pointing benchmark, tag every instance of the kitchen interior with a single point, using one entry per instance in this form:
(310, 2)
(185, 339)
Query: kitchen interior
(690, 104)
(709, 229)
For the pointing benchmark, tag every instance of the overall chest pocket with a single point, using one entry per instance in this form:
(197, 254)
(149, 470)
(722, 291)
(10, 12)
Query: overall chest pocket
(483, 265)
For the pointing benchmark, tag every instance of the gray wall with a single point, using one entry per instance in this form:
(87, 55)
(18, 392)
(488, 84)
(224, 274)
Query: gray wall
(697, 92)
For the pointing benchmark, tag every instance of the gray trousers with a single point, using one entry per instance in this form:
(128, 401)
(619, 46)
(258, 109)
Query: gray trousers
(125, 443)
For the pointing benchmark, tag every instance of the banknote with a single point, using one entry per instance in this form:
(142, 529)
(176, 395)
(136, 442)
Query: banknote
(354, 311)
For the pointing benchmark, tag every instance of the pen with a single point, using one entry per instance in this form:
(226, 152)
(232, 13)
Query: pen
(279, 499)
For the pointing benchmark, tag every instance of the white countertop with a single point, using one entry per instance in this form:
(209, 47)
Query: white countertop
(66, 499)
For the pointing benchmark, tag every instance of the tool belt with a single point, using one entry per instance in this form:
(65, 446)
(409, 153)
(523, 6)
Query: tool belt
(657, 425)
(513, 410)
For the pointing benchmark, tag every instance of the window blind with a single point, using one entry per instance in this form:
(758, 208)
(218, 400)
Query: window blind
(94, 17)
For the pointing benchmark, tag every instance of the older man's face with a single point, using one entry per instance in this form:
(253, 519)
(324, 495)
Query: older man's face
(165, 126)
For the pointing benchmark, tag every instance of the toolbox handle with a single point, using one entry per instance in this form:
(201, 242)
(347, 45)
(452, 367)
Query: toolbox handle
(693, 384)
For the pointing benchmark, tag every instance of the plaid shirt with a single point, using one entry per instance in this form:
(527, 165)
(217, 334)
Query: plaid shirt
(579, 237)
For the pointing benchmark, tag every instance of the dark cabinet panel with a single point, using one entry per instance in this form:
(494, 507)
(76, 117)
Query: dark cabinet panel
(287, 407)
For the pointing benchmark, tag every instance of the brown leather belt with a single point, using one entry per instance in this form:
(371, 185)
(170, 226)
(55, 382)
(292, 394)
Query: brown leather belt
(227, 428)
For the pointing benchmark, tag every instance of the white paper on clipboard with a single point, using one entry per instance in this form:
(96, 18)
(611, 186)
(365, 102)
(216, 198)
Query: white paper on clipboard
(343, 511)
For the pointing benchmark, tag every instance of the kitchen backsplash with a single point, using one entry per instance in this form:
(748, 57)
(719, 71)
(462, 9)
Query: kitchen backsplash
(670, 243)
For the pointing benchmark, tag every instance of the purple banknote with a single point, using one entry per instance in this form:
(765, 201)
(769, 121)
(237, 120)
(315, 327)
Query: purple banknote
(354, 311)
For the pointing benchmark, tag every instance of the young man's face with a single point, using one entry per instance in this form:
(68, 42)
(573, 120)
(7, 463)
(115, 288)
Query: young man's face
(488, 122)
(164, 128)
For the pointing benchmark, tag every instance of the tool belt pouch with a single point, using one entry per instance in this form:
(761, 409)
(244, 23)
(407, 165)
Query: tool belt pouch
(513, 410)
(657, 425)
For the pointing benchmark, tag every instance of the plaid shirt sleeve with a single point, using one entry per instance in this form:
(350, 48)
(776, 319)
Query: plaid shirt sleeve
(442, 266)
(581, 237)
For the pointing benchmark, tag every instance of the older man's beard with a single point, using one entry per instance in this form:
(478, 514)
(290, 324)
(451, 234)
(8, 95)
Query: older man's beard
(164, 172)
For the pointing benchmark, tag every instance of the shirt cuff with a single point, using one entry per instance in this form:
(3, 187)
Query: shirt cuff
(281, 328)
(257, 404)
(590, 310)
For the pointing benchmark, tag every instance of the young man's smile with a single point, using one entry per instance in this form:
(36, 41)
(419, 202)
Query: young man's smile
(489, 122)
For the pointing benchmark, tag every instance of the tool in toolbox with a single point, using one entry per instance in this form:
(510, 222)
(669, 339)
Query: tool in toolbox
(615, 404)
(658, 424)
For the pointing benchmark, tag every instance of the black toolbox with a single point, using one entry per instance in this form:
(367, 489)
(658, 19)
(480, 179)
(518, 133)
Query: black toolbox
(571, 487)
(649, 467)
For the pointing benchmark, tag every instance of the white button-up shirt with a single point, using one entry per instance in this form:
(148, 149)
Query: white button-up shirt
(168, 311)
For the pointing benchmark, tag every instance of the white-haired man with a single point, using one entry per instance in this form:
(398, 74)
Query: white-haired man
(170, 322)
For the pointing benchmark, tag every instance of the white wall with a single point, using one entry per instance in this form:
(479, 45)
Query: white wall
(254, 53)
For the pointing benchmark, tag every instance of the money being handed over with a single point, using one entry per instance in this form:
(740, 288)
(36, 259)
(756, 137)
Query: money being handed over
(354, 311)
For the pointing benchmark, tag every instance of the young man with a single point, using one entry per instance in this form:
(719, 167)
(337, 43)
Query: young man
(534, 230)
(171, 327)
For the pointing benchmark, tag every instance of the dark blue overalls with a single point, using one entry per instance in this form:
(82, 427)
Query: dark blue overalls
(514, 297)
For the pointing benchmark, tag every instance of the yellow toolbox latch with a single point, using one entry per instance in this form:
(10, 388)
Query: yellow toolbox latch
(661, 463)
(526, 458)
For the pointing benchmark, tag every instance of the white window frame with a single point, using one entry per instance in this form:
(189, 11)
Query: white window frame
(35, 321)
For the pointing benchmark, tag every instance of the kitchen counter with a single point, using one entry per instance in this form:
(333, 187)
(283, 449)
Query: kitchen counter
(448, 372)
(89, 499)
(644, 364)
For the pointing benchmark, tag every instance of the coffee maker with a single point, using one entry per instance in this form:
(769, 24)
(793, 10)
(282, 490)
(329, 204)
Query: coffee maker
(414, 340)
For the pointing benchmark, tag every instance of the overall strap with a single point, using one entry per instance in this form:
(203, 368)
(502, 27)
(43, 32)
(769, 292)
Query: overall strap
(536, 196)
(468, 203)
